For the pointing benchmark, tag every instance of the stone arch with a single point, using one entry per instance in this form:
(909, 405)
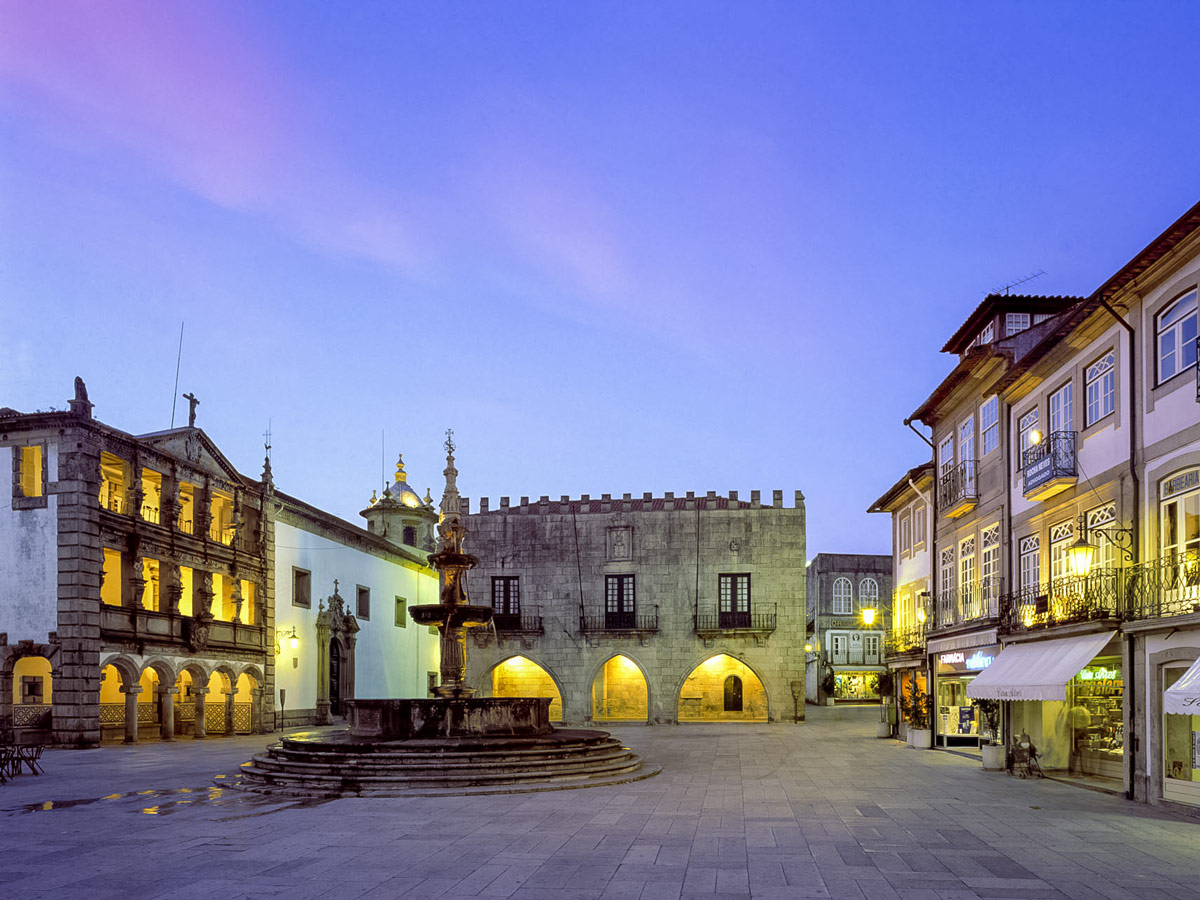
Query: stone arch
(163, 667)
(218, 707)
(739, 659)
(487, 681)
(600, 667)
(126, 666)
(10, 655)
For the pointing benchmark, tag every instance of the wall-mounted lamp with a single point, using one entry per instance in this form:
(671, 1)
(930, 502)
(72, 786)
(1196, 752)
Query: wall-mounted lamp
(1035, 437)
(868, 615)
(1082, 553)
(293, 640)
(808, 648)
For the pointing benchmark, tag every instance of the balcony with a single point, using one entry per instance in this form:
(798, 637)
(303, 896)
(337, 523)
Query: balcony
(750, 622)
(958, 490)
(904, 642)
(1049, 466)
(1163, 588)
(518, 623)
(1065, 601)
(632, 622)
(130, 623)
(965, 604)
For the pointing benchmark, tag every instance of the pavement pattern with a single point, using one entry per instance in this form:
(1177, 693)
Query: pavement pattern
(769, 812)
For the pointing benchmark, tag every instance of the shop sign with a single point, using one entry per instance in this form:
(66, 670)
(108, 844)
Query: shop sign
(966, 660)
(1179, 484)
(1104, 681)
(1039, 472)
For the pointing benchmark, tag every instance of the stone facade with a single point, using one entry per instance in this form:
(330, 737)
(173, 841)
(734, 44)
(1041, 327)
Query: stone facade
(577, 584)
(840, 587)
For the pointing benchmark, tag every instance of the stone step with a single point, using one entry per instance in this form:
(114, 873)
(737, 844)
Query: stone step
(476, 758)
(414, 764)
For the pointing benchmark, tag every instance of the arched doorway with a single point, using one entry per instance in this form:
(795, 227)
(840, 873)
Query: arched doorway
(32, 698)
(112, 704)
(216, 704)
(722, 689)
(335, 677)
(620, 692)
(520, 676)
(243, 704)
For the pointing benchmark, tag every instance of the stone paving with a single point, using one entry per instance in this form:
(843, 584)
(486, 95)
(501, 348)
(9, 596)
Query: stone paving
(740, 811)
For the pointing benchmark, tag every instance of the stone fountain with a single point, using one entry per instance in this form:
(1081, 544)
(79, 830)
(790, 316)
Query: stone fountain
(454, 743)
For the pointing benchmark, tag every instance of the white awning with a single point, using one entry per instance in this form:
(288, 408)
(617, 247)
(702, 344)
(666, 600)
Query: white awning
(1183, 697)
(1038, 670)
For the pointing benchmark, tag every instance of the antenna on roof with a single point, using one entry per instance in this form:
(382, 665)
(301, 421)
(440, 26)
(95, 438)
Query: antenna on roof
(382, 466)
(1012, 284)
(178, 357)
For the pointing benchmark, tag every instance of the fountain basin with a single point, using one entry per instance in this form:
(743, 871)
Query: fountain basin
(407, 719)
(458, 616)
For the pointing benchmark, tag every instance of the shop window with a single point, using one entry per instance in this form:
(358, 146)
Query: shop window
(1096, 720)
(1181, 748)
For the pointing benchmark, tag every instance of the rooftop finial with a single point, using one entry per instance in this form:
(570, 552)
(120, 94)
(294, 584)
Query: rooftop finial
(373, 499)
(401, 477)
(450, 442)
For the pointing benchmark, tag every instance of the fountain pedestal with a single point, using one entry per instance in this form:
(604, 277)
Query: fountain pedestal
(399, 720)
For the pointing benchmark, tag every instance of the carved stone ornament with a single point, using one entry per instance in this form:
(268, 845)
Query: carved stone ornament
(191, 447)
(198, 634)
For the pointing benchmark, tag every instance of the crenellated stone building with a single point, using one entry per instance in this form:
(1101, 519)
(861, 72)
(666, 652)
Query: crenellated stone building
(654, 609)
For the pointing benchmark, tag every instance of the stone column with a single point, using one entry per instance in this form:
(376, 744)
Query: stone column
(131, 711)
(202, 510)
(256, 716)
(201, 729)
(229, 730)
(167, 698)
(323, 717)
(202, 585)
(134, 493)
(236, 596)
(171, 587)
(137, 581)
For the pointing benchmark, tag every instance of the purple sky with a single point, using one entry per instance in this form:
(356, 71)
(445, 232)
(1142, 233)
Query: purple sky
(617, 247)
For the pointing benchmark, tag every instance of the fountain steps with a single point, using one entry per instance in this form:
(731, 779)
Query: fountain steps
(444, 763)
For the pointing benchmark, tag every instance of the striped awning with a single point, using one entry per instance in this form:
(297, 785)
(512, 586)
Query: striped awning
(1183, 697)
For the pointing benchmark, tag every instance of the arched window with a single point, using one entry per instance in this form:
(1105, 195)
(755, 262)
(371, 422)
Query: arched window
(843, 603)
(868, 593)
(733, 694)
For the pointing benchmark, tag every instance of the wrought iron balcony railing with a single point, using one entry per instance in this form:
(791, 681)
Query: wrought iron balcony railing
(1061, 601)
(518, 622)
(619, 621)
(1049, 460)
(976, 601)
(1165, 587)
(958, 487)
(901, 641)
(751, 620)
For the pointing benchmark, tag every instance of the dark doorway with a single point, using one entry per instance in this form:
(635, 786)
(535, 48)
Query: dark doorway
(733, 694)
(335, 678)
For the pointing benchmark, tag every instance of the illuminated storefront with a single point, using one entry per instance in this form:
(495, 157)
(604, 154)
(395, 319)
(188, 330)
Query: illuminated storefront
(857, 685)
(1181, 732)
(957, 721)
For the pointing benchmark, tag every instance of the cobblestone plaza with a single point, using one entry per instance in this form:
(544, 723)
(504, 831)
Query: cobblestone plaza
(739, 811)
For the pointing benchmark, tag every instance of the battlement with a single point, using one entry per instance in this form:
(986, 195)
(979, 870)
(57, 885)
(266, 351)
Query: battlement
(606, 503)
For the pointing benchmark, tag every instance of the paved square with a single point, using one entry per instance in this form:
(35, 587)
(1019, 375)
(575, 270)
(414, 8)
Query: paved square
(740, 811)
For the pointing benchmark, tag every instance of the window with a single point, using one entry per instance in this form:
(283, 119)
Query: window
(1177, 337)
(1062, 409)
(363, 604)
(733, 601)
(1179, 528)
(989, 565)
(905, 529)
(966, 578)
(506, 601)
(401, 612)
(947, 573)
(1030, 566)
(301, 588)
(30, 481)
(410, 535)
(620, 601)
(838, 645)
(946, 455)
(919, 525)
(989, 424)
(1098, 520)
(868, 594)
(1039, 318)
(1100, 388)
(988, 334)
(1014, 322)
(1026, 425)
(1062, 536)
(966, 440)
(871, 648)
(843, 600)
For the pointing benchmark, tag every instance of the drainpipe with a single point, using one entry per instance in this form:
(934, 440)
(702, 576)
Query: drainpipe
(933, 560)
(1130, 674)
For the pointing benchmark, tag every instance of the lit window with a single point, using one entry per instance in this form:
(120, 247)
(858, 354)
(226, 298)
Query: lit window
(363, 603)
(843, 599)
(1100, 388)
(1062, 409)
(1030, 563)
(1177, 337)
(31, 471)
(1179, 534)
(989, 424)
(1062, 536)
(1026, 426)
(989, 568)
(1014, 322)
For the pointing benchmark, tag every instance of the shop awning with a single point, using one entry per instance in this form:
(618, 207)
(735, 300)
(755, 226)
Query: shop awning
(1038, 670)
(1183, 697)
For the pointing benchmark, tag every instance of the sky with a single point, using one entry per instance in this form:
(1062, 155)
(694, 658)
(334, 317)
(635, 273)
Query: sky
(615, 247)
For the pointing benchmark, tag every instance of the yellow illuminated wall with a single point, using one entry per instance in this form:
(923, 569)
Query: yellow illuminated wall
(184, 683)
(185, 598)
(112, 482)
(110, 686)
(521, 677)
(187, 507)
(110, 591)
(619, 691)
(248, 602)
(702, 698)
(151, 495)
(222, 515)
(31, 471)
(35, 667)
(245, 684)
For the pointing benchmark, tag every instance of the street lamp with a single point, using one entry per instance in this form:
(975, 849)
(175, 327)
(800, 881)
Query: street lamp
(1082, 553)
(293, 640)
